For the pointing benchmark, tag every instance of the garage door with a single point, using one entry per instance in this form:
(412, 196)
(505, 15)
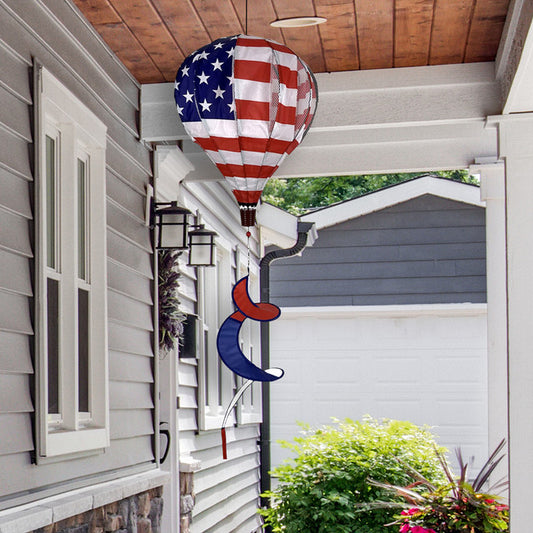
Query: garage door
(426, 364)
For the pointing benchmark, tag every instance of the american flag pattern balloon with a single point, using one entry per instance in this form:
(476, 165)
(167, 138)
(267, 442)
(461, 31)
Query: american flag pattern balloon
(248, 103)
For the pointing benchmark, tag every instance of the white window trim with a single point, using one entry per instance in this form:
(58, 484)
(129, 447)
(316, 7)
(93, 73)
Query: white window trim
(81, 133)
(214, 306)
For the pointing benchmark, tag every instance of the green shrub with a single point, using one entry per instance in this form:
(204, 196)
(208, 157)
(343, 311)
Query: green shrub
(321, 490)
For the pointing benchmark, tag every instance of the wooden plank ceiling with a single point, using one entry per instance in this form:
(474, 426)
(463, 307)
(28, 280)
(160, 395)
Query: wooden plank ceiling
(152, 37)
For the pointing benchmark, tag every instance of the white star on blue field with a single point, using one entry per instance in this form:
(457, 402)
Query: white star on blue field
(203, 87)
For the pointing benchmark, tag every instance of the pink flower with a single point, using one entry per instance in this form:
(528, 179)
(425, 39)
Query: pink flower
(410, 512)
(420, 529)
(405, 528)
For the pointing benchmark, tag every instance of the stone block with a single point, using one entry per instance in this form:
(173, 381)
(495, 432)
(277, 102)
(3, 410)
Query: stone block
(186, 504)
(97, 517)
(156, 511)
(124, 510)
(156, 492)
(50, 528)
(83, 528)
(143, 505)
(144, 525)
(131, 524)
(185, 524)
(112, 508)
(113, 522)
(186, 482)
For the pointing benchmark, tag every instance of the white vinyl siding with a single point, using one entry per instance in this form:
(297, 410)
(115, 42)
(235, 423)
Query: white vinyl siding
(58, 37)
(227, 492)
(72, 332)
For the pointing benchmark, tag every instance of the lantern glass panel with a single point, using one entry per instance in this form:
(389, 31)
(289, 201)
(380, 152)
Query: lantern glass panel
(172, 231)
(201, 248)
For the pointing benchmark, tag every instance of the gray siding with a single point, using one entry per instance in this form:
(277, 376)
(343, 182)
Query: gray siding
(227, 491)
(56, 35)
(426, 250)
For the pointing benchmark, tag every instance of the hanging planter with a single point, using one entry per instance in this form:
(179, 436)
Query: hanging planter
(171, 318)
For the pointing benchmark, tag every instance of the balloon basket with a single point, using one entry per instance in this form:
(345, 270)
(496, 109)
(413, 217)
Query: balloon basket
(247, 216)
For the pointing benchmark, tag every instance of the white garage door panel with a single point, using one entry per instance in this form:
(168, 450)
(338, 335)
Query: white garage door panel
(425, 364)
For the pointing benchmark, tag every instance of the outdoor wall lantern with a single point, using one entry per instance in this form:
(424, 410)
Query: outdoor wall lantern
(172, 224)
(201, 247)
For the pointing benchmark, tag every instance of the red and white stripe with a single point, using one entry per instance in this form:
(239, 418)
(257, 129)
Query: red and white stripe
(275, 99)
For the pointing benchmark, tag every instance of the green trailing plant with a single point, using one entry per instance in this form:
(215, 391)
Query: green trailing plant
(458, 506)
(171, 318)
(325, 487)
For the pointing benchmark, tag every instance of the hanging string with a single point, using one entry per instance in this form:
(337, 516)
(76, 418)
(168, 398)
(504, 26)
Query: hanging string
(246, 18)
(248, 235)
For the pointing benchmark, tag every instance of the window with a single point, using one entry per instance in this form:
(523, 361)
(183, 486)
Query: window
(71, 275)
(217, 383)
(249, 407)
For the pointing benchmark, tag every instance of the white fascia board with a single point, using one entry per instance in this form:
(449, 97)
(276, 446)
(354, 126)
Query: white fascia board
(520, 96)
(389, 120)
(406, 96)
(277, 226)
(373, 98)
(514, 61)
(410, 149)
(405, 77)
(451, 190)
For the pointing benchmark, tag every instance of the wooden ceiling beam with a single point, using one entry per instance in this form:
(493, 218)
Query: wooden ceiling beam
(338, 34)
(486, 30)
(303, 41)
(98, 11)
(218, 17)
(260, 14)
(375, 24)
(184, 23)
(412, 32)
(155, 35)
(151, 32)
(451, 24)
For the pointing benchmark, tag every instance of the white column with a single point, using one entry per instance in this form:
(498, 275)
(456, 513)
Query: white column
(516, 148)
(171, 166)
(492, 177)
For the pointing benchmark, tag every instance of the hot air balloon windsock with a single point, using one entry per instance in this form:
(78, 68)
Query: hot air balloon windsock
(248, 103)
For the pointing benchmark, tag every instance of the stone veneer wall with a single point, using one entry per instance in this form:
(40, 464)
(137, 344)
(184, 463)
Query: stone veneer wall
(140, 513)
(187, 499)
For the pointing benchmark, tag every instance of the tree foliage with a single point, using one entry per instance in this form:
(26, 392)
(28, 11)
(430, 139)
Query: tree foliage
(298, 195)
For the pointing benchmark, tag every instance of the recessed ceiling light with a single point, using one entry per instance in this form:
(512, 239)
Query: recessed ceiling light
(297, 22)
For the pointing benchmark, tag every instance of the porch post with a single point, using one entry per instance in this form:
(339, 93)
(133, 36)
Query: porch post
(515, 147)
(492, 177)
